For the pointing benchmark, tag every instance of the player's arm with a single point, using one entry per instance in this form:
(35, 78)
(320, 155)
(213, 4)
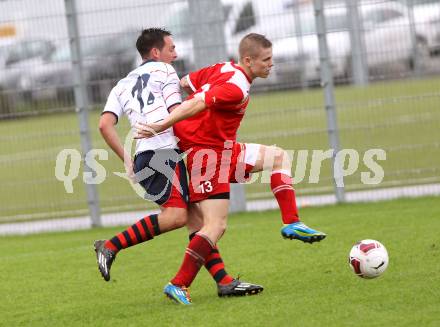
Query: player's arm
(107, 128)
(170, 109)
(108, 131)
(226, 94)
(185, 110)
(185, 85)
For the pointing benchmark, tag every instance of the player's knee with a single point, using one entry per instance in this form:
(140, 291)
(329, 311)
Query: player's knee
(221, 227)
(280, 157)
(214, 229)
(181, 219)
(194, 223)
(177, 216)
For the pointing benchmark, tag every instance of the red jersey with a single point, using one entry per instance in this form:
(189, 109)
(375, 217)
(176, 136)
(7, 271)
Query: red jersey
(225, 88)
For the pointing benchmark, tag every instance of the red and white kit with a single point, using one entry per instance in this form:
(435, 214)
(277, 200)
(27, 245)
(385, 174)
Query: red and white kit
(215, 158)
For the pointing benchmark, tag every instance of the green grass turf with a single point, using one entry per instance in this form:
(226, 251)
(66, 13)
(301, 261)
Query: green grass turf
(401, 117)
(52, 279)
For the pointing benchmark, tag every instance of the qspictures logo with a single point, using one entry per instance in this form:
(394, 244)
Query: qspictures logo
(306, 167)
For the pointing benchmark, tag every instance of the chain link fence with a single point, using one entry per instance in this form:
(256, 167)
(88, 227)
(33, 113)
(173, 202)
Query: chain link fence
(383, 55)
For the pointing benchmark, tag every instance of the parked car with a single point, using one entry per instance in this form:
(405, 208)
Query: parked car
(240, 18)
(14, 51)
(389, 45)
(105, 60)
(273, 19)
(13, 54)
(427, 21)
(180, 23)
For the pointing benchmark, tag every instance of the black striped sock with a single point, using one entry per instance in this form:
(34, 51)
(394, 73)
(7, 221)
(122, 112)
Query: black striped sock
(143, 230)
(215, 265)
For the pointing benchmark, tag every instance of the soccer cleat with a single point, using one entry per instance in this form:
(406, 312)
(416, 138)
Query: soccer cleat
(302, 232)
(177, 294)
(105, 258)
(238, 288)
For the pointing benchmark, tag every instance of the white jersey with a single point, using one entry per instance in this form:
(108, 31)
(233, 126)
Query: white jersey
(145, 95)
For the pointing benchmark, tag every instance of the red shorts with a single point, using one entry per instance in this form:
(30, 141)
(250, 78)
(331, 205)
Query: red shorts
(178, 197)
(211, 171)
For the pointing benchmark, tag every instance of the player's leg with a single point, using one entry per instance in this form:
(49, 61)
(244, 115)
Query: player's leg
(249, 158)
(215, 212)
(277, 161)
(173, 203)
(213, 198)
(226, 284)
(148, 227)
(214, 262)
(142, 231)
(195, 218)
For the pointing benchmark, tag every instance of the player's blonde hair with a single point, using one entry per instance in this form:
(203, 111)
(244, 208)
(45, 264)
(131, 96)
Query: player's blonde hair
(251, 44)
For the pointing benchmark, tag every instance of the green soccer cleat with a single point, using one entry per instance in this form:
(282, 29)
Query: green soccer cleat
(302, 232)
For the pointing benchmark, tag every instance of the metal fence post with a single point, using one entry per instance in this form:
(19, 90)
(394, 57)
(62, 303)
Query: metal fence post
(81, 103)
(209, 48)
(358, 57)
(417, 64)
(299, 37)
(327, 83)
(208, 35)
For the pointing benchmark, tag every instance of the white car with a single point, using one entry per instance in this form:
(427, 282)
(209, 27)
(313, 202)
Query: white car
(427, 21)
(240, 18)
(388, 43)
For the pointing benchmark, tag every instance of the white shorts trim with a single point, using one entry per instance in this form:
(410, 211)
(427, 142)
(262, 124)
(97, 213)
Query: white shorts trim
(251, 153)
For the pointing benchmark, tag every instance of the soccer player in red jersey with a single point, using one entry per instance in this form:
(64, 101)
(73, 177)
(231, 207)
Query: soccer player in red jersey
(149, 93)
(206, 124)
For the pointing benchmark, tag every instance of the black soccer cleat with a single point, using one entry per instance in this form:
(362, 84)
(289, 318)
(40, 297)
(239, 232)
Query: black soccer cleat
(238, 288)
(105, 258)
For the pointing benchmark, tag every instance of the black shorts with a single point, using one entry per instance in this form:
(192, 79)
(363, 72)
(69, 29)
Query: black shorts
(162, 173)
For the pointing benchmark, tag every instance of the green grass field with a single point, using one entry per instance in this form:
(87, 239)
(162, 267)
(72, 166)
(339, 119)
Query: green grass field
(401, 117)
(52, 279)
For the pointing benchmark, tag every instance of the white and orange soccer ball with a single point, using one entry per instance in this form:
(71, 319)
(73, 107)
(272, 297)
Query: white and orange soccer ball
(368, 259)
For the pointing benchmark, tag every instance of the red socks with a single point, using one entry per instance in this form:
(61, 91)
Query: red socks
(281, 185)
(195, 257)
(215, 266)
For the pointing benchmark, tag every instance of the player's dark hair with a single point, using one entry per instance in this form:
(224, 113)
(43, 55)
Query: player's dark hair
(251, 44)
(151, 38)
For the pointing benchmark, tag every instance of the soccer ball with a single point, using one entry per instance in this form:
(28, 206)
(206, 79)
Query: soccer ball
(368, 259)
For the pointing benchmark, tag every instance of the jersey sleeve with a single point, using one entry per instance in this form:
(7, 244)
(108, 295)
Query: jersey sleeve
(113, 105)
(227, 95)
(200, 77)
(171, 88)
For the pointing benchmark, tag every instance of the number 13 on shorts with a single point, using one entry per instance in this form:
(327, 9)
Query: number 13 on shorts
(206, 187)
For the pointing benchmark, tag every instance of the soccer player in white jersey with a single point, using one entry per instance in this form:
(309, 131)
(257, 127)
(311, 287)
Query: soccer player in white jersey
(148, 94)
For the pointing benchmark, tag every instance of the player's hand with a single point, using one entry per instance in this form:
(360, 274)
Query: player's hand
(142, 130)
(129, 164)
